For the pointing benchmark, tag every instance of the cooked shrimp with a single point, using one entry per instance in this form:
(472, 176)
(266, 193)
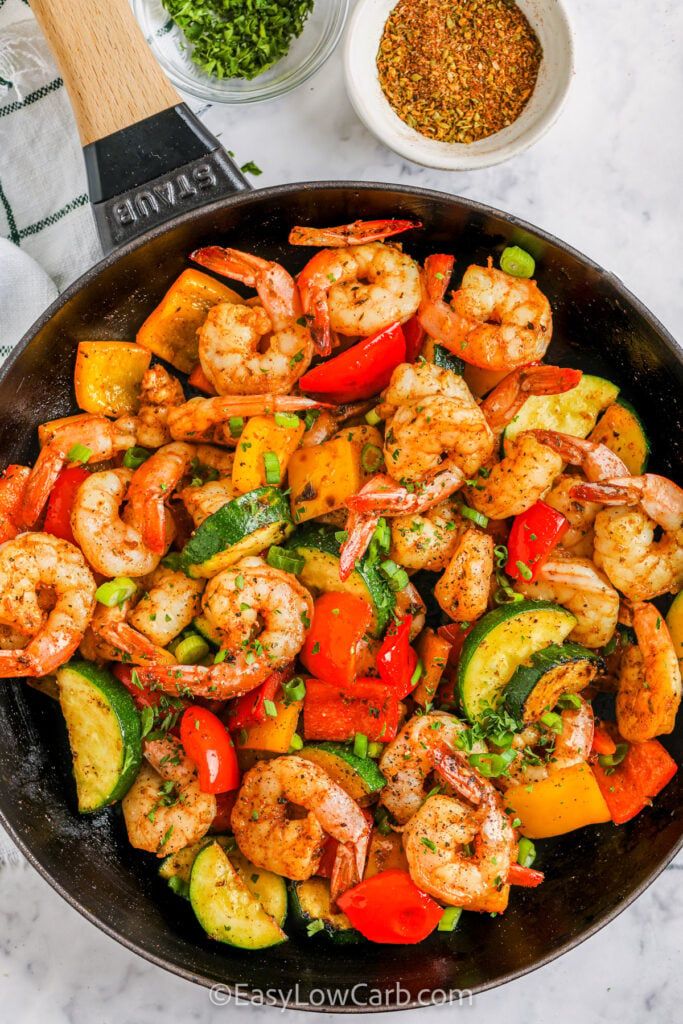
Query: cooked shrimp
(507, 398)
(33, 566)
(358, 233)
(159, 392)
(463, 590)
(435, 839)
(516, 482)
(260, 615)
(577, 585)
(152, 486)
(659, 498)
(102, 439)
(571, 746)
(597, 461)
(168, 605)
(251, 350)
(165, 810)
(211, 457)
(426, 541)
(649, 691)
(197, 419)
(201, 502)
(580, 514)
(113, 547)
(358, 290)
(292, 847)
(110, 636)
(494, 321)
(408, 761)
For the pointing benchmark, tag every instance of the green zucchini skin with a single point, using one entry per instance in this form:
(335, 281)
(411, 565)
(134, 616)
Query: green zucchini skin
(319, 547)
(310, 901)
(447, 361)
(622, 430)
(224, 537)
(364, 779)
(557, 669)
(104, 733)
(574, 412)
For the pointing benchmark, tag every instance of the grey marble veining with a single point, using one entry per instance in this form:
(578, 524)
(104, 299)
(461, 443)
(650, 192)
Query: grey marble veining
(607, 178)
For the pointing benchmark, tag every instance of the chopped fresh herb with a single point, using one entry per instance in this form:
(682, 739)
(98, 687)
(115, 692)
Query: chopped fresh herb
(251, 168)
(313, 927)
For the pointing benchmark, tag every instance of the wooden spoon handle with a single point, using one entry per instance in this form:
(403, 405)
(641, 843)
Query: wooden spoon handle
(108, 69)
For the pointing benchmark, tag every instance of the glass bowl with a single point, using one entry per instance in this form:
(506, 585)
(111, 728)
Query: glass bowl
(321, 33)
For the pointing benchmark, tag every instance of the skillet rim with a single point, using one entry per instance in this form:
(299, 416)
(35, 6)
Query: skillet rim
(276, 191)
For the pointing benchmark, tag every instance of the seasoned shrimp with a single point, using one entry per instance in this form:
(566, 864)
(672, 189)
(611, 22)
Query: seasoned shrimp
(170, 602)
(165, 810)
(494, 321)
(426, 541)
(463, 590)
(198, 419)
(516, 482)
(507, 398)
(577, 585)
(34, 566)
(408, 761)
(358, 233)
(102, 439)
(113, 547)
(659, 498)
(358, 290)
(159, 392)
(649, 690)
(201, 502)
(571, 746)
(251, 350)
(597, 461)
(111, 637)
(260, 615)
(151, 487)
(437, 840)
(580, 514)
(292, 846)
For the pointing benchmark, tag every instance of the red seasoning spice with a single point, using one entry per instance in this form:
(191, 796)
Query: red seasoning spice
(458, 70)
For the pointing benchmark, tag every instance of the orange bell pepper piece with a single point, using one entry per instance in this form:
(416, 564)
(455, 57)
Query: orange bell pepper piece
(567, 799)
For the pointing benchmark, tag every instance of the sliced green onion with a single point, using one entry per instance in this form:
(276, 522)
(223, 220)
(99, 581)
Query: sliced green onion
(477, 517)
(505, 594)
(272, 467)
(191, 650)
(395, 575)
(310, 417)
(517, 262)
(417, 674)
(220, 657)
(569, 700)
(552, 721)
(371, 458)
(382, 821)
(373, 418)
(287, 419)
(375, 749)
(449, 919)
(79, 453)
(492, 765)
(294, 690)
(135, 456)
(380, 542)
(116, 591)
(296, 743)
(500, 554)
(341, 535)
(236, 424)
(524, 570)
(612, 760)
(288, 561)
(313, 927)
(501, 739)
(526, 852)
(360, 744)
(270, 709)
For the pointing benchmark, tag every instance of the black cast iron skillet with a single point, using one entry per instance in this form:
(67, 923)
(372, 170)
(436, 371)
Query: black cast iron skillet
(591, 875)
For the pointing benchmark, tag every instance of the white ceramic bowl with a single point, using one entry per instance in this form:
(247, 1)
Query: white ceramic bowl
(548, 19)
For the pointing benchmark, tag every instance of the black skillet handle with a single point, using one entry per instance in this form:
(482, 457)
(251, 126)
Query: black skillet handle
(147, 156)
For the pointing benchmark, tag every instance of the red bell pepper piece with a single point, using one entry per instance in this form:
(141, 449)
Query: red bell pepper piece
(200, 381)
(396, 659)
(339, 622)
(250, 708)
(414, 334)
(207, 742)
(224, 805)
(144, 696)
(338, 713)
(643, 773)
(602, 741)
(390, 908)
(455, 636)
(528, 878)
(533, 536)
(361, 371)
(12, 486)
(61, 500)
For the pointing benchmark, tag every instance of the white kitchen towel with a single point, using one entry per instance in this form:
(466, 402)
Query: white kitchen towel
(44, 210)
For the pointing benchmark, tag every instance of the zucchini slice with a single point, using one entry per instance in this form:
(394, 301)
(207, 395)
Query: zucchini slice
(247, 525)
(674, 621)
(442, 357)
(226, 907)
(104, 733)
(557, 669)
(310, 902)
(358, 776)
(206, 630)
(574, 412)
(500, 642)
(318, 546)
(622, 430)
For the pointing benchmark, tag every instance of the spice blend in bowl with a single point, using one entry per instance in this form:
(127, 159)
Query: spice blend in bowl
(458, 70)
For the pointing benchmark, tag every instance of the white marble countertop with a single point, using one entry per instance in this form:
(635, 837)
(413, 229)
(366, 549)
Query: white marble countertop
(607, 178)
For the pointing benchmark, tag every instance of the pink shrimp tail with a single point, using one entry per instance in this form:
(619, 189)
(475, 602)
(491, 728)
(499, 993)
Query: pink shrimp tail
(607, 492)
(49, 465)
(134, 644)
(360, 531)
(357, 233)
(438, 270)
(380, 494)
(455, 770)
(232, 263)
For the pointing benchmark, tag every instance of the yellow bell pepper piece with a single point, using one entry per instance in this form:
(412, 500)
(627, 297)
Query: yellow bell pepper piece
(567, 799)
(371, 447)
(261, 435)
(170, 330)
(275, 734)
(108, 375)
(323, 476)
